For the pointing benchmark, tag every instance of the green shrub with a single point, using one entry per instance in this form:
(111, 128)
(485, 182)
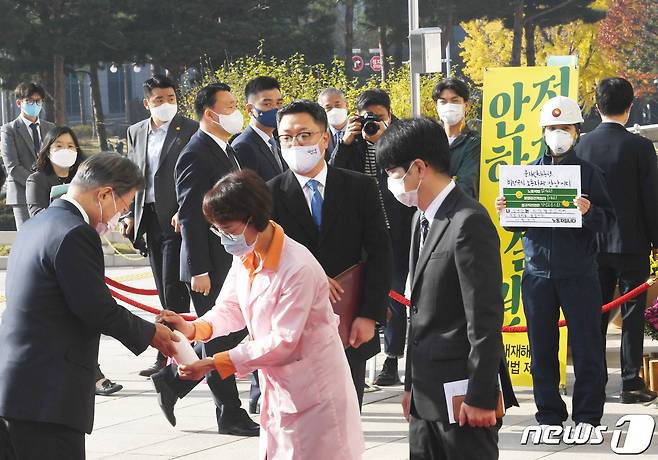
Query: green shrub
(300, 80)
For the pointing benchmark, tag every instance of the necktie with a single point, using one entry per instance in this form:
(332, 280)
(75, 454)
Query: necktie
(275, 151)
(230, 153)
(316, 202)
(35, 136)
(338, 135)
(424, 230)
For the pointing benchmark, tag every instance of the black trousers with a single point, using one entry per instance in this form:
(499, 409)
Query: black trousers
(164, 257)
(358, 369)
(430, 440)
(580, 299)
(22, 440)
(395, 332)
(224, 392)
(629, 270)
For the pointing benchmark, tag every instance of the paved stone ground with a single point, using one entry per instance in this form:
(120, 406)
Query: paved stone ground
(129, 424)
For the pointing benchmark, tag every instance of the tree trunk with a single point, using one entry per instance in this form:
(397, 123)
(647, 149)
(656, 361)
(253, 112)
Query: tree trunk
(81, 98)
(530, 54)
(59, 90)
(97, 106)
(383, 51)
(349, 34)
(447, 33)
(46, 80)
(518, 33)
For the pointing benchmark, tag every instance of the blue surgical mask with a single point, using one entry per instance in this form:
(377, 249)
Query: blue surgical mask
(235, 245)
(31, 109)
(266, 117)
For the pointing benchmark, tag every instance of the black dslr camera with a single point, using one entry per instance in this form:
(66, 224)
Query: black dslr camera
(369, 123)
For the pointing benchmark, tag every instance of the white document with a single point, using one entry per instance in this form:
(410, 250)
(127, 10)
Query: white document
(540, 196)
(459, 388)
(185, 354)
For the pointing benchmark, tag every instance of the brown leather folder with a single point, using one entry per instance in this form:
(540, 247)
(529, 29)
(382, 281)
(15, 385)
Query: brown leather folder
(458, 400)
(351, 280)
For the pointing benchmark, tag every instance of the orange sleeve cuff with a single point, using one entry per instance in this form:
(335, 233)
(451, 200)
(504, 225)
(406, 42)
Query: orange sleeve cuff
(223, 364)
(202, 330)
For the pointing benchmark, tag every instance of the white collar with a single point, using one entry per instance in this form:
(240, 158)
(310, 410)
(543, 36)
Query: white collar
(219, 142)
(321, 177)
(263, 135)
(335, 130)
(28, 122)
(164, 127)
(605, 119)
(436, 203)
(85, 216)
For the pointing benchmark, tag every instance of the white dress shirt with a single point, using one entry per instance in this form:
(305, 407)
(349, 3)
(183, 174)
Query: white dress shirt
(321, 177)
(436, 203)
(156, 138)
(222, 145)
(263, 135)
(29, 129)
(85, 216)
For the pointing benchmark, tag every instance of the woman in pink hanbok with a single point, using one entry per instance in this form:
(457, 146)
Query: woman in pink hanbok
(279, 291)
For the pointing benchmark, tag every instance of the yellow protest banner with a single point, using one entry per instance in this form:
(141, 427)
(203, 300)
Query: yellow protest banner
(512, 100)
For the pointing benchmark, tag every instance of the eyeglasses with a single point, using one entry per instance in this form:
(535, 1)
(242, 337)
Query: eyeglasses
(221, 233)
(31, 101)
(302, 138)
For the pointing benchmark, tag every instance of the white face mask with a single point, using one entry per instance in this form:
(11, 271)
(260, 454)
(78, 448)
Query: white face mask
(337, 116)
(302, 158)
(558, 140)
(64, 158)
(164, 112)
(396, 187)
(232, 123)
(103, 228)
(451, 114)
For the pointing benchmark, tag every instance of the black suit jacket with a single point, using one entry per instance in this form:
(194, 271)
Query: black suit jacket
(352, 230)
(181, 129)
(629, 164)
(199, 167)
(57, 307)
(255, 154)
(352, 157)
(457, 310)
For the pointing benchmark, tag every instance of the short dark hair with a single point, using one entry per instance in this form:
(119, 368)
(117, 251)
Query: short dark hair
(373, 97)
(258, 84)
(158, 81)
(454, 84)
(239, 196)
(314, 109)
(409, 139)
(43, 163)
(27, 89)
(109, 170)
(614, 96)
(205, 98)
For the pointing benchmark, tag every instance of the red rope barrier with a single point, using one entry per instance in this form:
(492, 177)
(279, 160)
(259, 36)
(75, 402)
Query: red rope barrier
(147, 308)
(606, 308)
(130, 289)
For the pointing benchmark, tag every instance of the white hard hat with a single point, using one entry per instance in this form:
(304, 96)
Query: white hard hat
(560, 110)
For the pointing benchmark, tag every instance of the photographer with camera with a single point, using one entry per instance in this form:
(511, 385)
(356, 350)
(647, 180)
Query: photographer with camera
(356, 152)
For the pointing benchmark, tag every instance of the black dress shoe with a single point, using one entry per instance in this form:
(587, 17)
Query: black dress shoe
(389, 374)
(643, 395)
(106, 387)
(254, 407)
(149, 371)
(237, 423)
(166, 397)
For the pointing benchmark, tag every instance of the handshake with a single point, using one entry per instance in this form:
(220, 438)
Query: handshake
(175, 344)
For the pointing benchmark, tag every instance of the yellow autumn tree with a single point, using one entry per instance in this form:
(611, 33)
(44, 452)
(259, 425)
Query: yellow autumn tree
(489, 44)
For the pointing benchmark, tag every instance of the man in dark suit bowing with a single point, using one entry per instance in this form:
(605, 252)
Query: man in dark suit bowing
(457, 305)
(629, 164)
(57, 307)
(257, 148)
(336, 214)
(204, 263)
(154, 145)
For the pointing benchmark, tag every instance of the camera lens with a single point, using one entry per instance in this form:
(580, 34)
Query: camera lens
(371, 128)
